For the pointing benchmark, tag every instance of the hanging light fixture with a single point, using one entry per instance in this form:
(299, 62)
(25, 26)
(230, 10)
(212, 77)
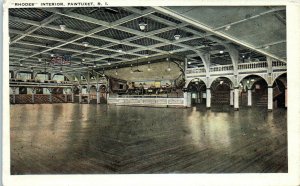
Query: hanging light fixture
(31, 69)
(62, 25)
(169, 66)
(116, 71)
(142, 25)
(221, 51)
(52, 54)
(120, 48)
(95, 65)
(61, 70)
(131, 70)
(21, 64)
(85, 43)
(149, 66)
(177, 35)
(103, 72)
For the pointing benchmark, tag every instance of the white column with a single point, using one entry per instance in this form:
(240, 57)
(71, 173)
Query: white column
(80, 97)
(231, 97)
(270, 98)
(208, 98)
(72, 95)
(236, 98)
(184, 99)
(88, 98)
(32, 96)
(189, 99)
(249, 91)
(187, 96)
(98, 97)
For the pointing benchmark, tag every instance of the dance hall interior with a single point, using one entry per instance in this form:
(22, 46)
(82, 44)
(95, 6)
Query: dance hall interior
(153, 89)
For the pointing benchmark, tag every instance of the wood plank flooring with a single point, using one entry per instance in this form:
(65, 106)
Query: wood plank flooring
(101, 139)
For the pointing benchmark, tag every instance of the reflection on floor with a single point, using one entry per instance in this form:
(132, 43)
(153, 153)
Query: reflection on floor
(87, 139)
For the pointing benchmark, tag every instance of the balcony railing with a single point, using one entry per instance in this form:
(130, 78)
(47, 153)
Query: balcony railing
(252, 65)
(221, 68)
(195, 71)
(278, 65)
(261, 65)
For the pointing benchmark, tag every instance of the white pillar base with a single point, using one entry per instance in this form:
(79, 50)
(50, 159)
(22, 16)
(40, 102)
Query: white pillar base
(270, 98)
(98, 97)
(187, 99)
(249, 95)
(72, 97)
(80, 98)
(236, 98)
(208, 98)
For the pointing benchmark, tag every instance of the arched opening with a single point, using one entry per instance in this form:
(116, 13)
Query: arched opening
(280, 91)
(254, 91)
(103, 94)
(220, 91)
(84, 94)
(76, 91)
(93, 94)
(197, 88)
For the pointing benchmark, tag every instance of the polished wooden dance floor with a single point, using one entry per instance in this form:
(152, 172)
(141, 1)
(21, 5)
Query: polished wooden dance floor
(98, 139)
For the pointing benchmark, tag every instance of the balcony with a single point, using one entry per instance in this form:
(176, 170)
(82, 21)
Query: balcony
(242, 67)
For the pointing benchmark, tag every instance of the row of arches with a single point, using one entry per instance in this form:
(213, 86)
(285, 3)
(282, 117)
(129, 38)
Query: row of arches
(253, 91)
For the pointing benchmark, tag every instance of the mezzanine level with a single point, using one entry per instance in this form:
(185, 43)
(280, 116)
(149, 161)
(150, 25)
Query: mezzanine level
(252, 67)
